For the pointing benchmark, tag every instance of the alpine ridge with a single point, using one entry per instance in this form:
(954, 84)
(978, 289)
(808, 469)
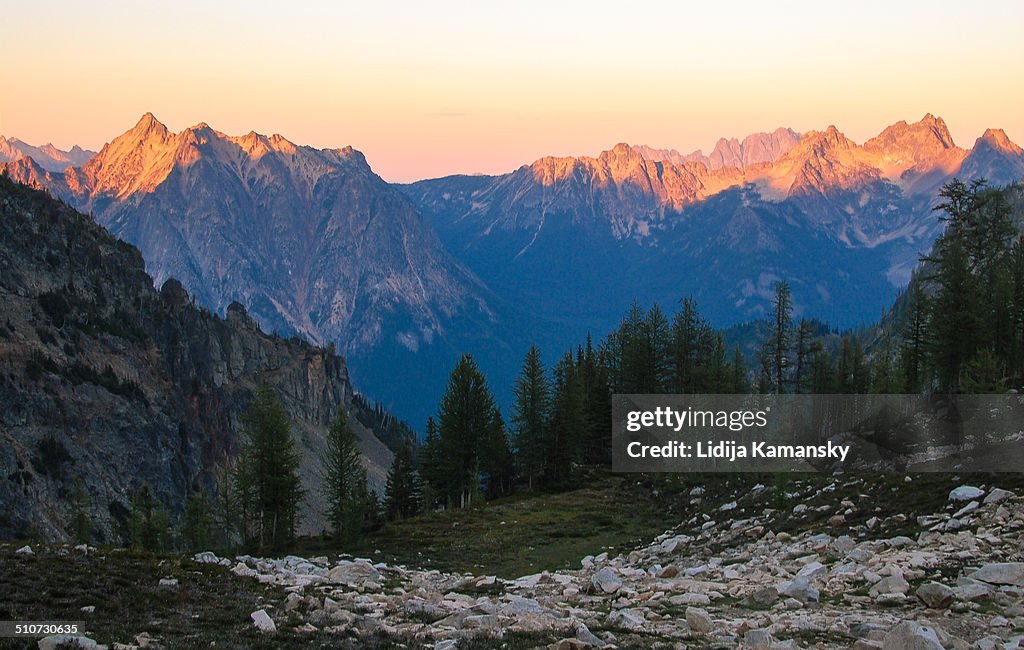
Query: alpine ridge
(843, 222)
(311, 241)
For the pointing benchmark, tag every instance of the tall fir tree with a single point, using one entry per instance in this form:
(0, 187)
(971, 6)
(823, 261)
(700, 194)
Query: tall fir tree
(775, 357)
(531, 413)
(346, 492)
(465, 416)
(267, 484)
(402, 497)
(567, 423)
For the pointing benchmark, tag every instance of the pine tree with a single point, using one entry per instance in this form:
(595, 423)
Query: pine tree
(197, 524)
(775, 358)
(530, 416)
(497, 463)
(149, 526)
(81, 523)
(346, 492)
(597, 406)
(402, 496)
(802, 348)
(823, 375)
(740, 381)
(914, 349)
(267, 482)
(466, 414)
(567, 423)
(684, 349)
(435, 485)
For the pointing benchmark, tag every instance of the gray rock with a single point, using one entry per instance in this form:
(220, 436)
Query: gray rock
(292, 601)
(910, 635)
(997, 495)
(935, 595)
(812, 569)
(966, 493)
(1001, 573)
(890, 585)
(758, 639)
(262, 621)
(519, 606)
(690, 599)
(800, 589)
(605, 581)
(631, 619)
(584, 634)
(569, 644)
(971, 590)
(699, 620)
(966, 510)
(446, 644)
(353, 573)
(58, 640)
(481, 621)
(763, 597)
(206, 557)
(25, 550)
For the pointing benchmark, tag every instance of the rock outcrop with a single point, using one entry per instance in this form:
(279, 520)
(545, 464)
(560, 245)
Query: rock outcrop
(113, 384)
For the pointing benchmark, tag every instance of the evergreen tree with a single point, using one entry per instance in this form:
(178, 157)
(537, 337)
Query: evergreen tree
(435, 486)
(466, 415)
(81, 523)
(497, 463)
(267, 483)
(775, 359)
(823, 374)
(740, 381)
(530, 416)
(402, 496)
(197, 524)
(597, 400)
(567, 423)
(687, 336)
(852, 372)
(149, 525)
(346, 493)
(802, 347)
(913, 351)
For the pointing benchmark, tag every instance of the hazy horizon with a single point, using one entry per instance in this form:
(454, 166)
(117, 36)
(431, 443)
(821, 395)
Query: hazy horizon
(459, 88)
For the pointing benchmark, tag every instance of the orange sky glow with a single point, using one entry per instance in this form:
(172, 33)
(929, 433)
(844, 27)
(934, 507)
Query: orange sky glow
(465, 87)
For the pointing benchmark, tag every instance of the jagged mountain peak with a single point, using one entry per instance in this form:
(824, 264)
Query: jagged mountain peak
(927, 137)
(149, 125)
(998, 140)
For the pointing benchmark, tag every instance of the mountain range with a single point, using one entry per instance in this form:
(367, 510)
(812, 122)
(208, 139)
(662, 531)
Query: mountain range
(405, 277)
(310, 241)
(843, 223)
(47, 156)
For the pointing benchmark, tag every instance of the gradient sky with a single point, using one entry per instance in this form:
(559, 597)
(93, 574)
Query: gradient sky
(433, 88)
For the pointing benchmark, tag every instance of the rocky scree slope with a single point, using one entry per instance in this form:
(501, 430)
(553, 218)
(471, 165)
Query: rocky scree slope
(728, 576)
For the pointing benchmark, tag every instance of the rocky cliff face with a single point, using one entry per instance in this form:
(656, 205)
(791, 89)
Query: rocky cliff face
(107, 380)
